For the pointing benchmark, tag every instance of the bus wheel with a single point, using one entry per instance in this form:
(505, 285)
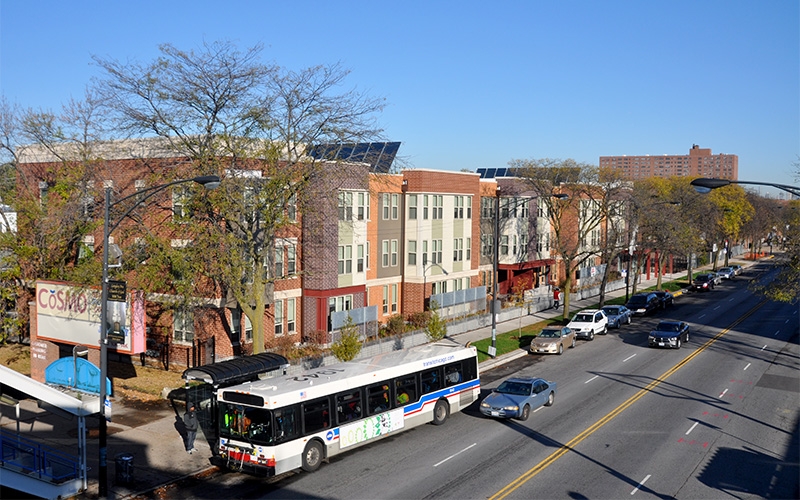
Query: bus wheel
(440, 412)
(312, 456)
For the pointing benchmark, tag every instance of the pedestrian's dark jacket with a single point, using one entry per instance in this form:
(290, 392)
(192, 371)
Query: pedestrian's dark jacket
(190, 420)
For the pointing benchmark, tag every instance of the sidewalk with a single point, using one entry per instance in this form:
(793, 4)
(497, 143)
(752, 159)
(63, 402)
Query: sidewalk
(150, 433)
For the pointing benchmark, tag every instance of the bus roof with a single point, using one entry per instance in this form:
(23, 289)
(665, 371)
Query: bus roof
(318, 382)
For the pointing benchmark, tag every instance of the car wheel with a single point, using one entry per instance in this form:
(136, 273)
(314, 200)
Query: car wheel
(678, 344)
(628, 320)
(550, 398)
(687, 337)
(526, 411)
(560, 349)
(605, 330)
(573, 342)
(312, 456)
(440, 412)
(591, 335)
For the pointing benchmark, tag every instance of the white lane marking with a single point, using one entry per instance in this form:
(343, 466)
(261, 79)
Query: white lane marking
(717, 307)
(730, 299)
(701, 316)
(640, 484)
(746, 367)
(786, 321)
(591, 379)
(776, 333)
(537, 409)
(629, 357)
(691, 428)
(723, 393)
(765, 346)
(455, 454)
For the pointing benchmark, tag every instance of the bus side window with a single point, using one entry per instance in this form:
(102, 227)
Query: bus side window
(285, 428)
(348, 407)
(431, 381)
(406, 390)
(316, 415)
(452, 374)
(378, 397)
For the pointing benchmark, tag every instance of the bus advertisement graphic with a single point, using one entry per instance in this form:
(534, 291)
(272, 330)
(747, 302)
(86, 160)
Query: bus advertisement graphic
(371, 427)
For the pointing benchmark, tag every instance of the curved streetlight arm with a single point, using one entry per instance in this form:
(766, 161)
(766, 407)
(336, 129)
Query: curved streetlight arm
(704, 185)
(210, 182)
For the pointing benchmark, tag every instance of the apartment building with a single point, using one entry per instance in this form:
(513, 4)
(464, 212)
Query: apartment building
(698, 163)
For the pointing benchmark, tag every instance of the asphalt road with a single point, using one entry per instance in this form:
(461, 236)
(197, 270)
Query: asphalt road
(717, 418)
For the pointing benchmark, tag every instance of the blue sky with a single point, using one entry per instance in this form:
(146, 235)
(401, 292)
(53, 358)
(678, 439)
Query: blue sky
(475, 84)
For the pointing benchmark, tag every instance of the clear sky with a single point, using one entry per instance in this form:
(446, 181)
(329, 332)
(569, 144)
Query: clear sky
(474, 84)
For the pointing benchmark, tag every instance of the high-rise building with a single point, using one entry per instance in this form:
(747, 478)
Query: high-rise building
(698, 163)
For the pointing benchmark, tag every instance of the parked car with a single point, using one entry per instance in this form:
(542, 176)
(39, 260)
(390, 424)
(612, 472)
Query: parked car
(517, 397)
(665, 298)
(717, 278)
(669, 334)
(737, 269)
(643, 303)
(553, 340)
(703, 283)
(617, 315)
(726, 273)
(588, 323)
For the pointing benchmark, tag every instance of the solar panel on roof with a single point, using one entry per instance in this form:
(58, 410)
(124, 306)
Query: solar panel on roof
(380, 155)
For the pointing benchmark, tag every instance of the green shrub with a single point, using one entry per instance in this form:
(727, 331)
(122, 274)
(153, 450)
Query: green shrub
(419, 320)
(437, 326)
(348, 346)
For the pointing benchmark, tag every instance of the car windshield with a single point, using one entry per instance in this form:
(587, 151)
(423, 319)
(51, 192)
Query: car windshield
(612, 311)
(550, 334)
(725, 270)
(667, 327)
(515, 388)
(583, 318)
(702, 278)
(638, 299)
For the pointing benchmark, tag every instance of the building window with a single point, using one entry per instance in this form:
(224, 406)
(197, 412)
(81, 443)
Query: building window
(458, 249)
(487, 208)
(385, 299)
(436, 254)
(278, 317)
(395, 206)
(360, 261)
(385, 253)
(458, 207)
(366, 256)
(469, 207)
(363, 206)
(386, 205)
(291, 324)
(43, 189)
(424, 252)
(279, 262)
(425, 206)
(180, 203)
(468, 250)
(291, 208)
(487, 242)
(183, 326)
(394, 253)
(394, 298)
(412, 206)
(248, 330)
(438, 206)
(412, 252)
(346, 206)
(504, 245)
(291, 260)
(345, 259)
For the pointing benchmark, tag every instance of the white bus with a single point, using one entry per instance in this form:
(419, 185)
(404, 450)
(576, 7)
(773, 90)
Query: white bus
(272, 426)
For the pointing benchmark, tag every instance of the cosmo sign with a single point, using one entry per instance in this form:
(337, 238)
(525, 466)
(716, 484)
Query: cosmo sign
(71, 315)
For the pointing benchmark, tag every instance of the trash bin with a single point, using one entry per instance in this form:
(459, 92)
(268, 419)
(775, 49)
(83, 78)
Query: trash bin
(123, 463)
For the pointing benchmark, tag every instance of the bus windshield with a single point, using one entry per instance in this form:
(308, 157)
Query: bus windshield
(253, 424)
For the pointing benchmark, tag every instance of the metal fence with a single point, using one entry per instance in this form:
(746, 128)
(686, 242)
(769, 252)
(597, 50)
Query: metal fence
(41, 461)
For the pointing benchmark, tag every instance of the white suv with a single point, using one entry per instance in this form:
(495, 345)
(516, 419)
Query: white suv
(588, 323)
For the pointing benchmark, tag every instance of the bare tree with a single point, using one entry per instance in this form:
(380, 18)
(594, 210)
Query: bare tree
(255, 126)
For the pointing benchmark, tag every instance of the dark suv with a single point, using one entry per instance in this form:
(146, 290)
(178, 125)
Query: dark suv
(643, 303)
(703, 283)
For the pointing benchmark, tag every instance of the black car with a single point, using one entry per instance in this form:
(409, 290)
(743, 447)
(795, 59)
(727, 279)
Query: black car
(703, 283)
(643, 303)
(669, 334)
(665, 298)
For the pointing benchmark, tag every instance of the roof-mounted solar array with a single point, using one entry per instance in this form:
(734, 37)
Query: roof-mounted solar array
(493, 172)
(379, 155)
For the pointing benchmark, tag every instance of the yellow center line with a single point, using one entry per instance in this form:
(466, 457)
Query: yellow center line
(527, 476)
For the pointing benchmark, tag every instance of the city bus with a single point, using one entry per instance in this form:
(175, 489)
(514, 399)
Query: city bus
(272, 426)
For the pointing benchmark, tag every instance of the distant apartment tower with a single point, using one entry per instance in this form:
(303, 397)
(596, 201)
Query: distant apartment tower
(698, 163)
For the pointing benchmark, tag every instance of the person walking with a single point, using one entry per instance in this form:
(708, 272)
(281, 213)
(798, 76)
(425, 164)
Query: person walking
(191, 424)
(556, 297)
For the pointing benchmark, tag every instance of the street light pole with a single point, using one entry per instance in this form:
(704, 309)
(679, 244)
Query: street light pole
(210, 182)
(425, 268)
(495, 266)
